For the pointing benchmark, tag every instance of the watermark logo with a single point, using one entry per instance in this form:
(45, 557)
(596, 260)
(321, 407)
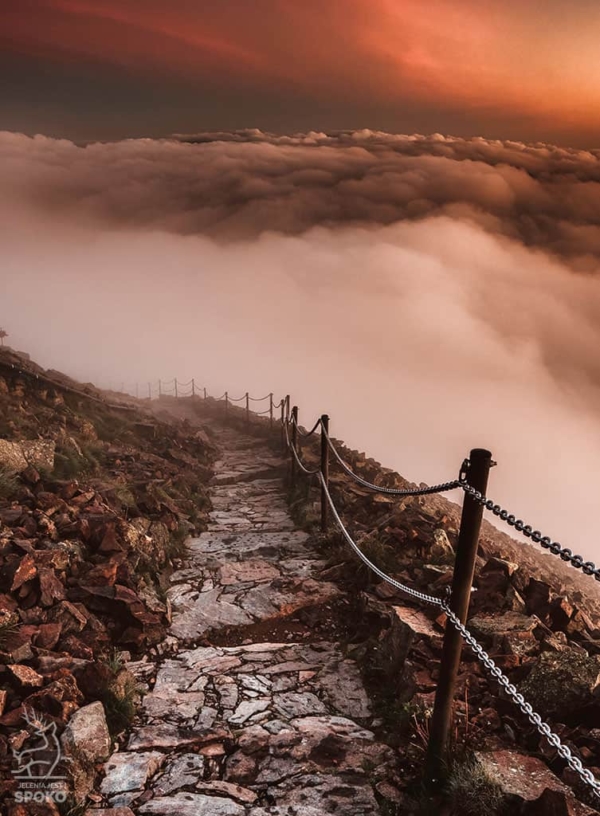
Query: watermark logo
(37, 762)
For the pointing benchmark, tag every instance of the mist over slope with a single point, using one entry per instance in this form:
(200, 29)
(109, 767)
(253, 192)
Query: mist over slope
(432, 294)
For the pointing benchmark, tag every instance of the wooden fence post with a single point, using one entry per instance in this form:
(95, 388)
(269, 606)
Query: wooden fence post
(271, 412)
(283, 425)
(247, 409)
(204, 393)
(324, 472)
(464, 568)
(294, 445)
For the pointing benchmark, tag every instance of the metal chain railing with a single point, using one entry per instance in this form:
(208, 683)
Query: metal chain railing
(588, 567)
(586, 776)
(510, 689)
(391, 491)
(413, 593)
(307, 434)
(302, 467)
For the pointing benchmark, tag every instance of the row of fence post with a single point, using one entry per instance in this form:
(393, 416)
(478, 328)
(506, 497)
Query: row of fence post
(477, 472)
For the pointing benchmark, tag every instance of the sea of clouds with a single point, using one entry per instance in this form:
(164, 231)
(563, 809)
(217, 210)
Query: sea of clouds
(432, 294)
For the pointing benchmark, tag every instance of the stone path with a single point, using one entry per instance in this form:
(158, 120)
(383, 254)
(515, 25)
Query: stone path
(262, 728)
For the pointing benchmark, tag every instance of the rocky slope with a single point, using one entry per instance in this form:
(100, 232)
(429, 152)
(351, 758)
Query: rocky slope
(536, 616)
(277, 677)
(95, 503)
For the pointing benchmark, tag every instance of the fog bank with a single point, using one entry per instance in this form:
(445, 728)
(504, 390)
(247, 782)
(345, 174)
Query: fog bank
(419, 305)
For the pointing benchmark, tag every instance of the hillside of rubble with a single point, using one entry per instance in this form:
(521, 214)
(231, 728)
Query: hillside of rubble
(96, 500)
(169, 605)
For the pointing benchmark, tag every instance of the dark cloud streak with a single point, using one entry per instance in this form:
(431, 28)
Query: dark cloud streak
(239, 185)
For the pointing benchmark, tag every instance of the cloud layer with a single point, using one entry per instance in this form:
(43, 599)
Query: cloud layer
(431, 294)
(239, 185)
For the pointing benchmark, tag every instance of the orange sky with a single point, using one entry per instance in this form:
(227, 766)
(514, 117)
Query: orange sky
(128, 67)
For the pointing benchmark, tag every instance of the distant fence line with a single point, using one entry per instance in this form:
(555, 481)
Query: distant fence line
(472, 480)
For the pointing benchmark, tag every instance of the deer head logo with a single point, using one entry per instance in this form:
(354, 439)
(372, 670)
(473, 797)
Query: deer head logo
(40, 754)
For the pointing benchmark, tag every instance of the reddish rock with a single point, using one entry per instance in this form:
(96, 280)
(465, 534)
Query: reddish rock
(25, 675)
(17, 646)
(30, 475)
(51, 588)
(529, 787)
(58, 699)
(26, 571)
(102, 574)
(110, 542)
(73, 646)
(69, 616)
(560, 613)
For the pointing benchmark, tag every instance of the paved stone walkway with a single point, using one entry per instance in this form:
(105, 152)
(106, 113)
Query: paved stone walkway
(259, 729)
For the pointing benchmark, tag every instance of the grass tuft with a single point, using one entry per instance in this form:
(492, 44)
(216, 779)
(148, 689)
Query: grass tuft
(471, 791)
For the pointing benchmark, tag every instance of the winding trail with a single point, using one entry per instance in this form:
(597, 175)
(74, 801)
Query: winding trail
(258, 728)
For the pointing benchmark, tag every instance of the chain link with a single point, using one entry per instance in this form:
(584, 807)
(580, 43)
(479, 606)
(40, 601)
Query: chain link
(413, 593)
(389, 491)
(305, 434)
(586, 776)
(588, 567)
(295, 455)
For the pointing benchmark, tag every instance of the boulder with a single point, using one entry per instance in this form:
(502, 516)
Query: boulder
(408, 625)
(561, 683)
(528, 787)
(17, 456)
(501, 625)
(86, 734)
(441, 548)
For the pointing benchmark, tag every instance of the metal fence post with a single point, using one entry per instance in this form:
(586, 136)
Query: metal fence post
(247, 409)
(271, 412)
(294, 444)
(324, 472)
(480, 462)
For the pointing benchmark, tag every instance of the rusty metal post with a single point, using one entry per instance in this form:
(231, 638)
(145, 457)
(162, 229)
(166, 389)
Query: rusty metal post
(247, 409)
(294, 445)
(480, 462)
(271, 412)
(193, 388)
(324, 472)
(175, 387)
